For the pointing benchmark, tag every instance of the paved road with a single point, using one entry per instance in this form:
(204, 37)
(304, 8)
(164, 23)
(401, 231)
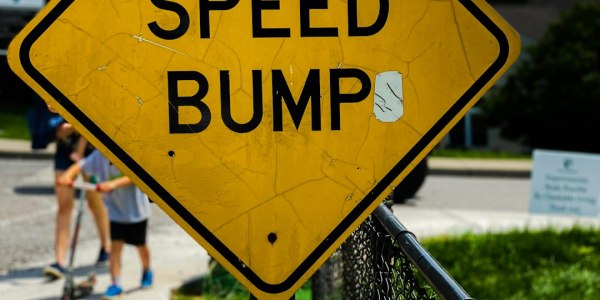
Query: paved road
(26, 211)
(474, 193)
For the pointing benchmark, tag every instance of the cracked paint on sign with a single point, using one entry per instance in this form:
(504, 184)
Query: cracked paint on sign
(388, 103)
(269, 197)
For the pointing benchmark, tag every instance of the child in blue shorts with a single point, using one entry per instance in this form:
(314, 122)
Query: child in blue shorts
(128, 211)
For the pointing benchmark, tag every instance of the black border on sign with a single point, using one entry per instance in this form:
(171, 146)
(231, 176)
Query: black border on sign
(194, 223)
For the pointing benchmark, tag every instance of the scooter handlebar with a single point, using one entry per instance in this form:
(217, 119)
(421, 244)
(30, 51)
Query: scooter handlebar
(86, 186)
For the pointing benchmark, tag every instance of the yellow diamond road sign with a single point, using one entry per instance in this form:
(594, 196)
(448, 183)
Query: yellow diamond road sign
(267, 129)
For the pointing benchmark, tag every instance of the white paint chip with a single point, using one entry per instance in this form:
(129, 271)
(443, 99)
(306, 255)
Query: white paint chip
(389, 98)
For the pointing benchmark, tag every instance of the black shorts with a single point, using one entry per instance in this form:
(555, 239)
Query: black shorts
(62, 156)
(130, 233)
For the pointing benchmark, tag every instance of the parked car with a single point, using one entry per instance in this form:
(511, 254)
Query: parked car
(410, 185)
(14, 15)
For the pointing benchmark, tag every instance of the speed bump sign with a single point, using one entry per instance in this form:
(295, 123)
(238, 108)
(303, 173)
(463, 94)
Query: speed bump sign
(269, 130)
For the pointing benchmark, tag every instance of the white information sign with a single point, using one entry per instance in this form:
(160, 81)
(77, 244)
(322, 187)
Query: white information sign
(566, 183)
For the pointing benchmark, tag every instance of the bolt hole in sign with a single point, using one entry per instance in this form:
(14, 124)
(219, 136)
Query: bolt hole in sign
(269, 130)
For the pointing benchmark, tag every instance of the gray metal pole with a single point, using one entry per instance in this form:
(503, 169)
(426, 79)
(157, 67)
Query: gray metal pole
(436, 275)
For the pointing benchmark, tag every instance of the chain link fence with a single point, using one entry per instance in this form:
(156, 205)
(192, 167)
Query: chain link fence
(382, 260)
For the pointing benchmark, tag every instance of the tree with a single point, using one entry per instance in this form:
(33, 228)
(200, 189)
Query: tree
(552, 100)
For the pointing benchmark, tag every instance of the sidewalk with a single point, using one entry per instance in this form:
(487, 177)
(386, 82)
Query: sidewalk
(480, 167)
(425, 222)
(176, 257)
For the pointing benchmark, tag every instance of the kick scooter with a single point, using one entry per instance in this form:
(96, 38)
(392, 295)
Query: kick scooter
(86, 287)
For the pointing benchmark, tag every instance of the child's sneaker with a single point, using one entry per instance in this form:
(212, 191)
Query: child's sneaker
(103, 257)
(147, 279)
(54, 271)
(113, 292)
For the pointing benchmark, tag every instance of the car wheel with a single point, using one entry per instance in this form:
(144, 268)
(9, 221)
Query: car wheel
(411, 184)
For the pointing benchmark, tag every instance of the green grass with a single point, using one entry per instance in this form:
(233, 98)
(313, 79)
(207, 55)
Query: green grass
(219, 284)
(458, 153)
(13, 123)
(546, 264)
(517, 265)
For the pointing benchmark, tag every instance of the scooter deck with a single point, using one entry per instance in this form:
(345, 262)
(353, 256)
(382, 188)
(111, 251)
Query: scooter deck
(82, 289)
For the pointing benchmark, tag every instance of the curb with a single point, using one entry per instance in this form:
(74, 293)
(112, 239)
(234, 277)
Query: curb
(26, 155)
(19, 149)
(504, 168)
(481, 173)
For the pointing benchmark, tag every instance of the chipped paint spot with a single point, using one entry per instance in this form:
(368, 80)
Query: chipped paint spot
(141, 39)
(291, 75)
(389, 98)
(101, 68)
(139, 100)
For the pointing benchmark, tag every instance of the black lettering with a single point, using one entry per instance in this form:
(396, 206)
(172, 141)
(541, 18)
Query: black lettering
(180, 30)
(305, 29)
(337, 97)
(257, 30)
(175, 101)
(281, 92)
(355, 30)
(205, 7)
(226, 103)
